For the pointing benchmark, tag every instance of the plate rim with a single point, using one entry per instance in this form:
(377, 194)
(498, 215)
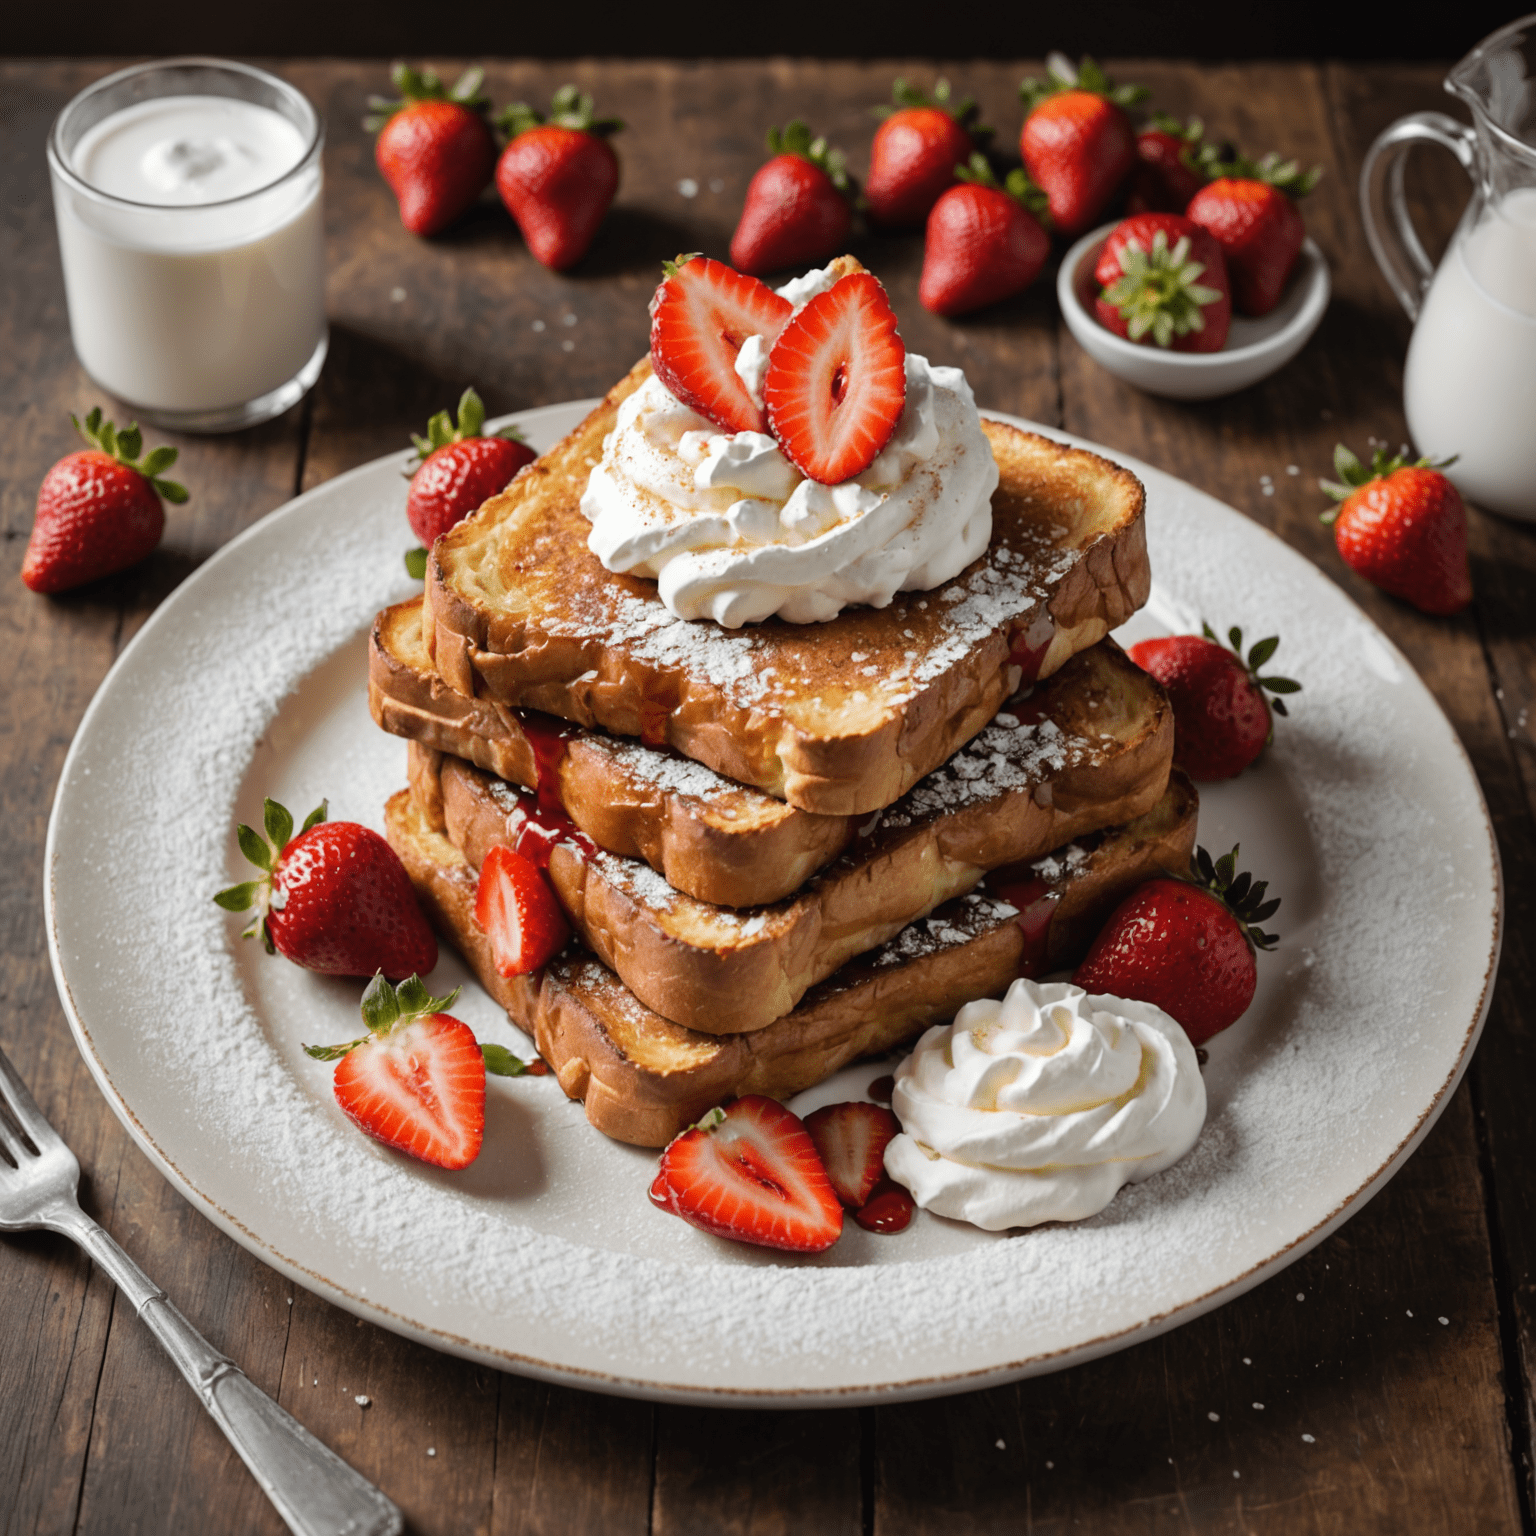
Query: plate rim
(910, 1389)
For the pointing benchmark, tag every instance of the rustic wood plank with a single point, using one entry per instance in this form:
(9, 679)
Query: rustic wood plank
(749, 1473)
(571, 1463)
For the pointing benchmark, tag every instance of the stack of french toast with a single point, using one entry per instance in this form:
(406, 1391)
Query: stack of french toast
(785, 846)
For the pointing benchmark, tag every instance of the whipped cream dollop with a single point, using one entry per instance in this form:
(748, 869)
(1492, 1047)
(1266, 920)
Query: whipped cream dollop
(730, 530)
(1039, 1107)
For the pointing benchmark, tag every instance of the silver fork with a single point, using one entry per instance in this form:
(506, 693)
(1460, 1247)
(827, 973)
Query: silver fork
(315, 1491)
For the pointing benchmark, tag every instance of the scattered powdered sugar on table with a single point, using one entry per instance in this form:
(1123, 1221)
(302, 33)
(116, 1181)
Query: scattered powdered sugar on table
(1362, 1014)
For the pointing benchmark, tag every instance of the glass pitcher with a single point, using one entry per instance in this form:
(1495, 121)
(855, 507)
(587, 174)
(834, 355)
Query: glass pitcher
(1469, 386)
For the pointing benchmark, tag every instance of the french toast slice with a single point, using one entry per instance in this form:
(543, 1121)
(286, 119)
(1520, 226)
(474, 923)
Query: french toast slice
(710, 838)
(839, 718)
(644, 1079)
(1090, 747)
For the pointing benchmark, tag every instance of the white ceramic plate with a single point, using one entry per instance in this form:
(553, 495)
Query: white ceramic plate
(546, 1257)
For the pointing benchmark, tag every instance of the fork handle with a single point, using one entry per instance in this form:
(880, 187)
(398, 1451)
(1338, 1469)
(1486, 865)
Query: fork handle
(313, 1489)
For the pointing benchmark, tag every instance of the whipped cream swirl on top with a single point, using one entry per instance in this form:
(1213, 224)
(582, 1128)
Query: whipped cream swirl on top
(730, 530)
(1039, 1107)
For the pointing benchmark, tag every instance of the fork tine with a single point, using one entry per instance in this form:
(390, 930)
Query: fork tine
(23, 1108)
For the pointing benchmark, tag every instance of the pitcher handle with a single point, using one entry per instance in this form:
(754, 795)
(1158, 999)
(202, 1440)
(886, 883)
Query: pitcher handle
(1389, 227)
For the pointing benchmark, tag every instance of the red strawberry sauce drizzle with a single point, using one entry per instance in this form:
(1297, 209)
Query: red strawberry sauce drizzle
(888, 1210)
(1036, 902)
(550, 741)
(535, 831)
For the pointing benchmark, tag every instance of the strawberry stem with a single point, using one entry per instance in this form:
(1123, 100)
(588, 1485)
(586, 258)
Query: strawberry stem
(1159, 290)
(125, 447)
(1063, 75)
(1258, 654)
(1017, 185)
(795, 139)
(569, 107)
(1240, 893)
(1353, 474)
(413, 85)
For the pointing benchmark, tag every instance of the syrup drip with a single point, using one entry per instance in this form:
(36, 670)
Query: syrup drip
(888, 1210)
(550, 741)
(1036, 902)
(882, 1089)
(535, 832)
(1029, 647)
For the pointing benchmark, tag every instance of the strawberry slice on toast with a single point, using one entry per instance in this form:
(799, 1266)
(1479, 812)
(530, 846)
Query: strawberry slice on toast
(750, 1172)
(701, 315)
(517, 910)
(851, 1139)
(837, 381)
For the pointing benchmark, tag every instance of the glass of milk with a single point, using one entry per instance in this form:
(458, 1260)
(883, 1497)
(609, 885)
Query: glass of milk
(187, 195)
(1469, 386)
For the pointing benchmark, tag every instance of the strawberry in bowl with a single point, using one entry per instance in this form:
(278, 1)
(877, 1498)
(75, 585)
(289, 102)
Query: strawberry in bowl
(1250, 209)
(1162, 281)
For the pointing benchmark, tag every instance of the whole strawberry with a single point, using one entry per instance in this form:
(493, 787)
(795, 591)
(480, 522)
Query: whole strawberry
(1166, 175)
(1163, 280)
(1403, 527)
(915, 151)
(558, 175)
(99, 510)
(1077, 141)
(416, 1080)
(435, 147)
(1251, 209)
(1186, 946)
(984, 242)
(459, 468)
(1221, 719)
(799, 206)
(334, 899)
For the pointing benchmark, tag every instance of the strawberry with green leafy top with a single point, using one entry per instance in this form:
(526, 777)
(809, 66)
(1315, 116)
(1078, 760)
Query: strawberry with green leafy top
(98, 510)
(1166, 175)
(1186, 945)
(334, 899)
(435, 147)
(1077, 141)
(1221, 717)
(558, 175)
(1163, 280)
(1402, 526)
(457, 469)
(799, 206)
(416, 1080)
(915, 152)
(1250, 207)
(984, 242)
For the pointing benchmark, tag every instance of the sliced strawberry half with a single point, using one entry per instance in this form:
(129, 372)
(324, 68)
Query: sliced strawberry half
(851, 1139)
(416, 1080)
(837, 381)
(700, 316)
(518, 912)
(750, 1172)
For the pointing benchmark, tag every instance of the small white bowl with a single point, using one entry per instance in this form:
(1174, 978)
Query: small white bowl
(1254, 350)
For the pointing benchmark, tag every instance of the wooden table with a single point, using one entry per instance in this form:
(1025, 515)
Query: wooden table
(1395, 1397)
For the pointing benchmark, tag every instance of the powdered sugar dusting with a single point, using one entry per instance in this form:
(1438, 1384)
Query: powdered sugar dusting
(546, 1253)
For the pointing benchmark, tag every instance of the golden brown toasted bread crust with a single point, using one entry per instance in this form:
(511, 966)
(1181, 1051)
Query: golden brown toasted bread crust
(838, 718)
(1091, 747)
(643, 1079)
(714, 839)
